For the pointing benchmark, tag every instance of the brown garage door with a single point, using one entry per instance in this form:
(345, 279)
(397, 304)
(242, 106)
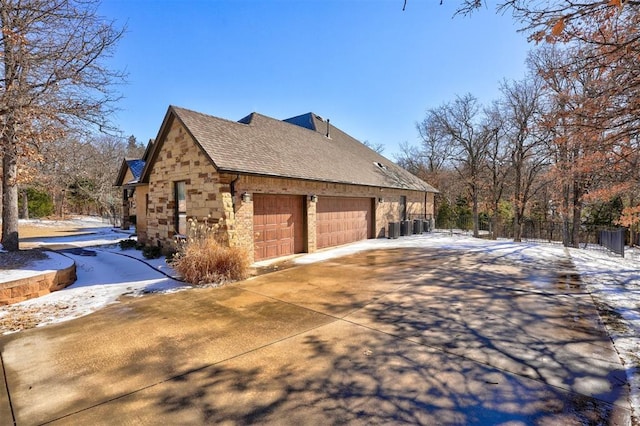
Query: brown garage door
(342, 220)
(277, 225)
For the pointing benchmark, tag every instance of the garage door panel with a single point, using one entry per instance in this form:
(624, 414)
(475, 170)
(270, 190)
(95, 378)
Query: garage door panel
(278, 225)
(285, 234)
(270, 235)
(342, 220)
(272, 251)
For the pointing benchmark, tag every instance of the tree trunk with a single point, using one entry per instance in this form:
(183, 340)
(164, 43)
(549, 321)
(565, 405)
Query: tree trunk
(11, 81)
(566, 233)
(517, 197)
(10, 199)
(125, 210)
(517, 235)
(577, 213)
(633, 226)
(476, 227)
(63, 198)
(494, 223)
(24, 214)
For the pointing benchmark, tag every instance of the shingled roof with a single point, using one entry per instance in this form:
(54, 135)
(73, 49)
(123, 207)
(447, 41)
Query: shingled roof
(136, 166)
(265, 146)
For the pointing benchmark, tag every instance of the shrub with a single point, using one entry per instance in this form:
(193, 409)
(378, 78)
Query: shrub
(151, 252)
(170, 254)
(207, 261)
(127, 244)
(206, 257)
(39, 203)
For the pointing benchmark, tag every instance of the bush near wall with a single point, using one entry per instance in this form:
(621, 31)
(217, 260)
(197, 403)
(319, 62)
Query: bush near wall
(205, 257)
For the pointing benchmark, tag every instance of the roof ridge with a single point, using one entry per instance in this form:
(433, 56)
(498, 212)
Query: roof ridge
(177, 109)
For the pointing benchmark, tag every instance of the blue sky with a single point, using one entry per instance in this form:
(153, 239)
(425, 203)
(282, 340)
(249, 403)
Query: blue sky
(365, 64)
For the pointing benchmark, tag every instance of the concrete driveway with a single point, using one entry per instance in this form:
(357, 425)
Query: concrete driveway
(395, 336)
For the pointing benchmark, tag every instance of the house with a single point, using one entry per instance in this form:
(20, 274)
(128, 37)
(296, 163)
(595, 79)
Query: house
(280, 186)
(133, 194)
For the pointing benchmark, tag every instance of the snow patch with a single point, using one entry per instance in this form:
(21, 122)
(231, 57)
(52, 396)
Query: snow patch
(54, 262)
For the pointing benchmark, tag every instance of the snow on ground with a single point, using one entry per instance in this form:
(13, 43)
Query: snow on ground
(614, 284)
(55, 262)
(105, 273)
(79, 221)
(98, 234)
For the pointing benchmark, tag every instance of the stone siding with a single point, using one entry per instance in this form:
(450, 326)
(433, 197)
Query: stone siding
(180, 159)
(141, 212)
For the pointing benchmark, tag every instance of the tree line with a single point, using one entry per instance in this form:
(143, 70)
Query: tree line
(75, 175)
(563, 143)
(56, 91)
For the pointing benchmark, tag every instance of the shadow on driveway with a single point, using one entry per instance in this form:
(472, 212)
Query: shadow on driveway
(395, 336)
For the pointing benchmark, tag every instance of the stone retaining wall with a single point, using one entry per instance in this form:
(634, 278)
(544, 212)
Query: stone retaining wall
(37, 285)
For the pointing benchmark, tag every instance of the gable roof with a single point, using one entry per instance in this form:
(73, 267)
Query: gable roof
(265, 146)
(136, 166)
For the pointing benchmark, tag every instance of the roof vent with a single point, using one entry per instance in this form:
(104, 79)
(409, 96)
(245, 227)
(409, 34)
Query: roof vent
(380, 165)
(328, 127)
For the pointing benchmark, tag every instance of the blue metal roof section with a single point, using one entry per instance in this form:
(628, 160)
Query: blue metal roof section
(304, 120)
(136, 167)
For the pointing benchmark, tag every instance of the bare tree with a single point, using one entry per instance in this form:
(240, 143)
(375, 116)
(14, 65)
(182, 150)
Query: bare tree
(497, 162)
(66, 163)
(428, 159)
(566, 20)
(79, 173)
(107, 155)
(377, 147)
(411, 158)
(436, 151)
(607, 35)
(458, 123)
(53, 79)
(586, 139)
(521, 105)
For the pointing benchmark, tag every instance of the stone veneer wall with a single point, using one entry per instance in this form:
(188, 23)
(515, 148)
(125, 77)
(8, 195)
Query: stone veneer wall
(180, 159)
(141, 212)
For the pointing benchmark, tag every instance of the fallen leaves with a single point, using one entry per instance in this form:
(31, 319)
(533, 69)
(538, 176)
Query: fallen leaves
(17, 317)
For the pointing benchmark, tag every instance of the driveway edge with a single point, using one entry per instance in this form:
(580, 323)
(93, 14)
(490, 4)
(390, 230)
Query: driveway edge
(6, 408)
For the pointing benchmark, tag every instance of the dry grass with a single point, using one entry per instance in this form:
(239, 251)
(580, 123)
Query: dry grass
(206, 261)
(31, 231)
(55, 228)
